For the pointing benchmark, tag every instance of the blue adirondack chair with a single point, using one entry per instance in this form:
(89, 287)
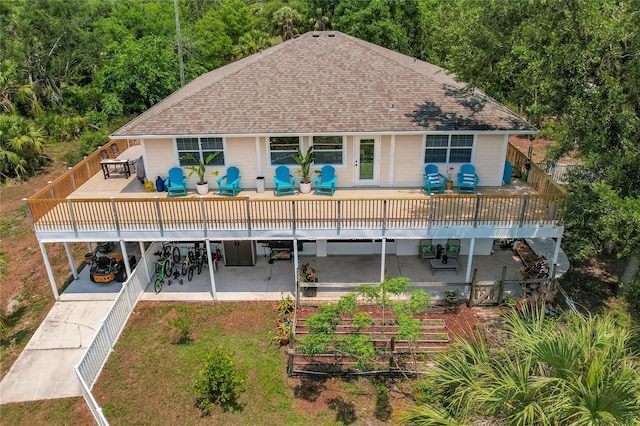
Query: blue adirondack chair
(326, 181)
(468, 180)
(231, 185)
(434, 181)
(284, 181)
(176, 183)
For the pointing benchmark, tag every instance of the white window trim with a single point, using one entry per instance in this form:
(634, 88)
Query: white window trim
(268, 141)
(344, 150)
(200, 151)
(447, 162)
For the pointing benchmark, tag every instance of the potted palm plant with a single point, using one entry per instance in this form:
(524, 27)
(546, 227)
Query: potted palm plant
(200, 169)
(305, 161)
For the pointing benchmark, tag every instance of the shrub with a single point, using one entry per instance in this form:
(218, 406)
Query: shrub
(324, 321)
(360, 347)
(420, 301)
(362, 320)
(314, 344)
(183, 327)
(218, 382)
(409, 328)
(632, 296)
(348, 303)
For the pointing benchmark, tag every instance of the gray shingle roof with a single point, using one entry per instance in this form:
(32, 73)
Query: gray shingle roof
(319, 83)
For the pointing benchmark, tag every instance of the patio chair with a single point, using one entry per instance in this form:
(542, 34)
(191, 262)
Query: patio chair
(468, 180)
(176, 183)
(115, 151)
(284, 181)
(104, 155)
(452, 249)
(231, 185)
(326, 181)
(426, 250)
(434, 181)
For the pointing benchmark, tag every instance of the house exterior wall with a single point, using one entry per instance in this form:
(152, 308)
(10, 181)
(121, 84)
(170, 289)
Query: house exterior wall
(160, 155)
(489, 159)
(408, 165)
(240, 152)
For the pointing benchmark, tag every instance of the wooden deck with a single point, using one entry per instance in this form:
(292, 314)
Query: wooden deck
(84, 204)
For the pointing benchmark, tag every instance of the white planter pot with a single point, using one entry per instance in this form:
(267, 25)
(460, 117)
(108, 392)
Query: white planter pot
(305, 188)
(202, 189)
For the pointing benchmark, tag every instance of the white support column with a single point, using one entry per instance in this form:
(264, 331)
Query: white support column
(554, 259)
(467, 277)
(142, 252)
(258, 157)
(47, 265)
(321, 248)
(89, 247)
(383, 259)
(211, 275)
(125, 258)
(295, 270)
(74, 270)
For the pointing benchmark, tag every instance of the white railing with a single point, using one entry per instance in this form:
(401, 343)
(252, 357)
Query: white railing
(98, 351)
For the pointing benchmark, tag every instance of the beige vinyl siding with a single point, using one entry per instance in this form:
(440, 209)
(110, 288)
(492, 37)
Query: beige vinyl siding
(409, 161)
(385, 160)
(239, 152)
(488, 159)
(161, 155)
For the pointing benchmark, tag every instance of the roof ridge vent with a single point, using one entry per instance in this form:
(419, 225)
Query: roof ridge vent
(296, 36)
(315, 34)
(331, 34)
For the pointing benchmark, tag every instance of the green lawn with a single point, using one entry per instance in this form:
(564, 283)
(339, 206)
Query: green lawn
(149, 377)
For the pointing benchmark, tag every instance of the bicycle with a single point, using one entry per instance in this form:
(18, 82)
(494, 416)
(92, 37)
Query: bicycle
(171, 252)
(188, 264)
(162, 266)
(217, 256)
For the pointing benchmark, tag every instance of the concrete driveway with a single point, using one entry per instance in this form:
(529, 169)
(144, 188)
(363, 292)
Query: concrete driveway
(45, 368)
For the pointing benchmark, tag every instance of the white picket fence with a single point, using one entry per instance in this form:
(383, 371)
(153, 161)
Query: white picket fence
(107, 335)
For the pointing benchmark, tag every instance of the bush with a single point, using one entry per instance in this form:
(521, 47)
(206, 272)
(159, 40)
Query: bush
(362, 320)
(182, 326)
(632, 296)
(324, 321)
(347, 303)
(218, 382)
(314, 344)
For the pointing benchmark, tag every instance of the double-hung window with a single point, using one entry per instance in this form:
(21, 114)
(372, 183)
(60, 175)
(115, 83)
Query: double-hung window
(328, 149)
(283, 148)
(200, 149)
(448, 149)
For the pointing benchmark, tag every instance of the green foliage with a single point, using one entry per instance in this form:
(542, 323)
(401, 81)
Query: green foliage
(21, 145)
(545, 372)
(182, 325)
(304, 161)
(201, 168)
(632, 296)
(324, 321)
(218, 382)
(409, 328)
(420, 301)
(369, 292)
(347, 303)
(286, 306)
(360, 347)
(396, 286)
(314, 344)
(283, 333)
(362, 320)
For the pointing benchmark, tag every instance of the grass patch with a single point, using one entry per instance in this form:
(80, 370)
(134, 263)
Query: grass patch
(65, 411)
(149, 379)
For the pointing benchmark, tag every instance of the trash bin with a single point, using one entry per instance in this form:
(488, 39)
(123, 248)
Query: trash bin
(260, 184)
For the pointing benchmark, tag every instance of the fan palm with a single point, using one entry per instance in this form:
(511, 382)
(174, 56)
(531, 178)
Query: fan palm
(578, 371)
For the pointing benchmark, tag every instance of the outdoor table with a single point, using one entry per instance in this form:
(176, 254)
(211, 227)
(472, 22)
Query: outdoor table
(437, 265)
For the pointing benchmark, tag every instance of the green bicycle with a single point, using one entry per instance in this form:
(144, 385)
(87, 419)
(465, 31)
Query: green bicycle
(162, 271)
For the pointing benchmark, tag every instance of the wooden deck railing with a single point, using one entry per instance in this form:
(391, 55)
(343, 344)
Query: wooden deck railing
(537, 178)
(80, 173)
(51, 211)
(232, 214)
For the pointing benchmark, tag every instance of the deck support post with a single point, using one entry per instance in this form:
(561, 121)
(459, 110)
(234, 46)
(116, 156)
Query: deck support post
(470, 259)
(125, 258)
(74, 270)
(503, 277)
(211, 275)
(142, 256)
(472, 290)
(554, 258)
(295, 271)
(47, 266)
(383, 259)
(89, 246)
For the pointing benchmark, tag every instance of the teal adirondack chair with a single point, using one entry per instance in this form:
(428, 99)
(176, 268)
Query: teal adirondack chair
(434, 181)
(468, 180)
(326, 181)
(176, 183)
(284, 181)
(231, 184)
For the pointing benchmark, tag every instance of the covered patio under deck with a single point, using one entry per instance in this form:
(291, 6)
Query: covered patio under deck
(269, 281)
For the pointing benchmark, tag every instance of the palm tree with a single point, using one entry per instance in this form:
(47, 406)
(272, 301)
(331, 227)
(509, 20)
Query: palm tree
(20, 147)
(571, 371)
(286, 20)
